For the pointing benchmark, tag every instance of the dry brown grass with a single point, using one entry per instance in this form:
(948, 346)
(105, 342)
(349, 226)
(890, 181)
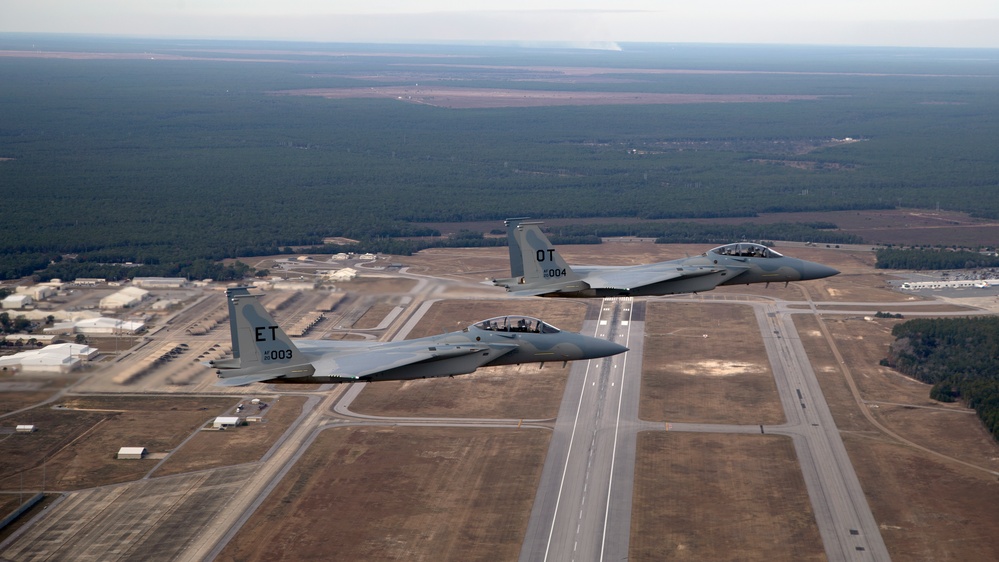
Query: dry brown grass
(373, 316)
(928, 508)
(720, 497)
(400, 494)
(722, 378)
(215, 449)
(79, 442)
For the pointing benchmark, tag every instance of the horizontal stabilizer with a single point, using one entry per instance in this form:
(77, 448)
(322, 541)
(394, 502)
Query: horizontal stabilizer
(243, 380)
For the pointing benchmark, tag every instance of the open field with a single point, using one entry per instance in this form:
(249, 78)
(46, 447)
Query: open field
(720, 497)
(215, 449)
(399, 493)
(23, 391)
(77, 440)
(724, 377)
(928, 508)
(472, 98)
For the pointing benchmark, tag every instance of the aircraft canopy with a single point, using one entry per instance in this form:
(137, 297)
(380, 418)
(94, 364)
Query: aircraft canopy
(523, 324)
(746, 250)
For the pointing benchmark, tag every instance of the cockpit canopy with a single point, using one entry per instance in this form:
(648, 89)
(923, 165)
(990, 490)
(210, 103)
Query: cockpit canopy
(746, 250)
(522, 324)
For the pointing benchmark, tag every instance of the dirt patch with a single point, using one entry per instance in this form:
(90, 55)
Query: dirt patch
(722, 378)
(926, 509)
(79, 441)
(373, 316)
(402, 494)
(248, 443)
(464, 98)
(526, 391)
(24, 391)
(377, 285)
(720, 497)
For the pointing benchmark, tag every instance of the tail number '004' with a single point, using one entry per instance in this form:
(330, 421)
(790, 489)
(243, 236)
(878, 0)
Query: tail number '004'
(554, 273)
(277, 355)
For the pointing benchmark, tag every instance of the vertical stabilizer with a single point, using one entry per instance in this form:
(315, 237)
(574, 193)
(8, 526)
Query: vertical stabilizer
(539, 260)
(257, 340)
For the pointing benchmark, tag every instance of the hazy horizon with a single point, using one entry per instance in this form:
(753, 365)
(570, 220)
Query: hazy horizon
(591, 24)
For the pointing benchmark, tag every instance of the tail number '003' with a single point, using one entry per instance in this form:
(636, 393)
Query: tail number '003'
(554, 273)
(277, 354)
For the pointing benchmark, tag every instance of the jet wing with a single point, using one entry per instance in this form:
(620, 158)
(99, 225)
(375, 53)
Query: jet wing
(384, 358)
(633, 277)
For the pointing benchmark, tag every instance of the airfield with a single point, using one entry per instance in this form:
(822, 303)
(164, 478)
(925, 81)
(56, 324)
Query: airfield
(746, 423)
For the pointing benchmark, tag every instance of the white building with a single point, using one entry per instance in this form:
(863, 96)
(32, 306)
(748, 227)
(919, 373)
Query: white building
(223, 422)
(345, 274)
(131, 452)
(97, 326)
(159, 282)
(37, 292)
(19, 300)
(125, 298)
(58, 358)
(950, 284)
(25, 428)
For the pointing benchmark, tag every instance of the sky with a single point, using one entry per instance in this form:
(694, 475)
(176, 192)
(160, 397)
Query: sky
(583, 23)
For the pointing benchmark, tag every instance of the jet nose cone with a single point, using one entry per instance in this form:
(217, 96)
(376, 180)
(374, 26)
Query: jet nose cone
(602, 348)
(811, 270)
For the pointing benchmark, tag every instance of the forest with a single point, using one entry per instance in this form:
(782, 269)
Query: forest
(163, 163)
(922, 259)
(958, 356)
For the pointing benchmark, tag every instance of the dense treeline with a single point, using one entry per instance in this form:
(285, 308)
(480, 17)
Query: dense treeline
(892, 258)
(958, 356)
(691, 232)
(163, 162)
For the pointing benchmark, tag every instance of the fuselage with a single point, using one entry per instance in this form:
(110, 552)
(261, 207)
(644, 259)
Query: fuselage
(505, 340)
(733, 264)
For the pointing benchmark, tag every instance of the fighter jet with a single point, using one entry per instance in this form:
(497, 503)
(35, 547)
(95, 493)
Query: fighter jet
(262, 352)
(537, 269)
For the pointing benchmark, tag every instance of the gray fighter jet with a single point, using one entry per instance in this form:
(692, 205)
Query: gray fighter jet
(262, 352)
(537, 269)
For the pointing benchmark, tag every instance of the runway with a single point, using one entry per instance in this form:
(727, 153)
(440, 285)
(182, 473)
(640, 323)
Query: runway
(582, 510)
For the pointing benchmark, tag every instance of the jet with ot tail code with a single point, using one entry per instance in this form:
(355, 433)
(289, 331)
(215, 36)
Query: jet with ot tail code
(263, 352)
(537, 269)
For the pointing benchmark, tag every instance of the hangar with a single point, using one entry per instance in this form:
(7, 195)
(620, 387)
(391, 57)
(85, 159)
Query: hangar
(20, 300)
(159, 282)
(125, 298)
(58, 358)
